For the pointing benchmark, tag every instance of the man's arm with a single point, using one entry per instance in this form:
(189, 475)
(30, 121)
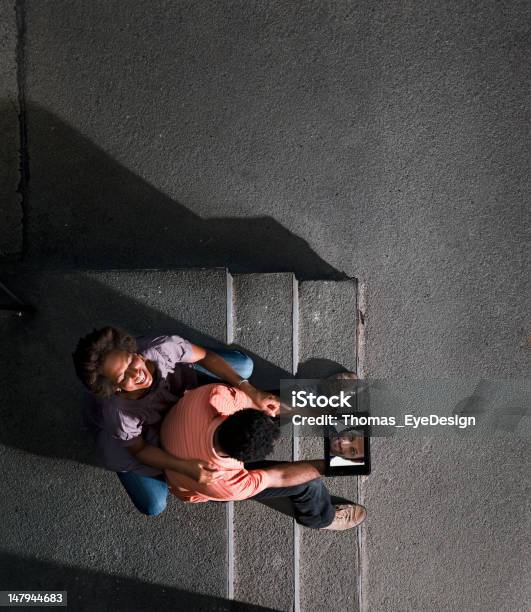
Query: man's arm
(292, 474)
(157, 457)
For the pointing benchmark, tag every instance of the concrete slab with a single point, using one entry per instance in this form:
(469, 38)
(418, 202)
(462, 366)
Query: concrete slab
(445, 504)
(10, 160)
(263, 537)
(53, 483)
(263, 324)
(196, 299)
(327, 335)
(329, 561)
(73, 524)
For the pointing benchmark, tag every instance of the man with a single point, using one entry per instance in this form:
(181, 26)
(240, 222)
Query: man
(137, 380)
(348, 444)
(220, 425)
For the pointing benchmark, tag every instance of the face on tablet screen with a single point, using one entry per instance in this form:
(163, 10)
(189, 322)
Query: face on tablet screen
(347, 447)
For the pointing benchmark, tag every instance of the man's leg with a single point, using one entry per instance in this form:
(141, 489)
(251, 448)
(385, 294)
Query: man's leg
(241, 363)
(311, 501)
(148, 493)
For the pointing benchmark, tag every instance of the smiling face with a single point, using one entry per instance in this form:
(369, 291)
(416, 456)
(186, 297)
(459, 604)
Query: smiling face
(128, 371)
(347, 445)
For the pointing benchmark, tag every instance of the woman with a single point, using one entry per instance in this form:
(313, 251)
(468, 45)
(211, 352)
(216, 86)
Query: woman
(136, 382)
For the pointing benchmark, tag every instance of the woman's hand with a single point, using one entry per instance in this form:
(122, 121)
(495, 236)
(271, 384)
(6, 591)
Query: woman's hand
(203, 472)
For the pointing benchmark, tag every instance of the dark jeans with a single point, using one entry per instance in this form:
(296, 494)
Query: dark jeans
(312, 506)
(149, 494)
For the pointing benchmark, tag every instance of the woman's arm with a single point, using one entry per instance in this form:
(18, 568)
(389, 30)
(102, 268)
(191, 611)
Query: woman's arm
(156, 457)
(262, 400)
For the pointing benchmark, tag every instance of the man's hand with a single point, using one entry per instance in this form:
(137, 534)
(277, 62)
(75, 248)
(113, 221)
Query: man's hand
(264, 401)
(200, 471)
(203, 472)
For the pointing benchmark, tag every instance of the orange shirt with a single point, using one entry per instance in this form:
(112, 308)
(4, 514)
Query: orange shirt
(187, 433)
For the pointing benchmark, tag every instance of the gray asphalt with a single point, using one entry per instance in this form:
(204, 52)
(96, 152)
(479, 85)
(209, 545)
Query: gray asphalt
(11, 236)
(382, 140)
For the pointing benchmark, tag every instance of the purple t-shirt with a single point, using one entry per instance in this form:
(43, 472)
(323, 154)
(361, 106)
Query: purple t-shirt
(120, 422)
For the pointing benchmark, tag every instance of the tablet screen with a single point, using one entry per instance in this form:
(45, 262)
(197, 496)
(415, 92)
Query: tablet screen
(347, 450)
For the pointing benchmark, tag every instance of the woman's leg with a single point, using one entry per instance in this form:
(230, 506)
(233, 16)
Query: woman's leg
(149, 494)
(241, 363)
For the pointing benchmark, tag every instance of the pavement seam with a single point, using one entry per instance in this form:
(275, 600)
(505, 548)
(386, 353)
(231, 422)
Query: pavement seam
(20, 10)
(295, 326)
(359, 554)
(229, 331)
(295, 444)
(230, 550)
(361, 306)
(230, 308)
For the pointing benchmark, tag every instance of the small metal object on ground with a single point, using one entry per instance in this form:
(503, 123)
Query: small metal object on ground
(15, 308)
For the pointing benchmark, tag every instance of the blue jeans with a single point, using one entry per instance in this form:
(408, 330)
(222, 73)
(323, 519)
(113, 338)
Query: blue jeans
(149, 494)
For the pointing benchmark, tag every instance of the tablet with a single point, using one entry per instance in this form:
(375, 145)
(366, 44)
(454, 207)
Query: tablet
(347, 450)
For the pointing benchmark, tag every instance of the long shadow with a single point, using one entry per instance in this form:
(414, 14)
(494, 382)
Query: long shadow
(42, 397)
(88, 590)
(319, 368)
(85, 210)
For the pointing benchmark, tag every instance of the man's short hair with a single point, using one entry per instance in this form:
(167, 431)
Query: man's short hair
(248, 435)
(91, 352)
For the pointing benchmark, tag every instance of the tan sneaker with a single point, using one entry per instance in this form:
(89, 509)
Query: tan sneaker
(347, 516)
(344, 381)
(344, 376)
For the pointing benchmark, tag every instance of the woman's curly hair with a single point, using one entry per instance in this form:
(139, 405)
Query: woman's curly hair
(91, 352)
(248, 435)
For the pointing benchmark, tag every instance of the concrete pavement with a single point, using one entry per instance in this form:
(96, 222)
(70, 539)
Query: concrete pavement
(10, 178)
(380, 140)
